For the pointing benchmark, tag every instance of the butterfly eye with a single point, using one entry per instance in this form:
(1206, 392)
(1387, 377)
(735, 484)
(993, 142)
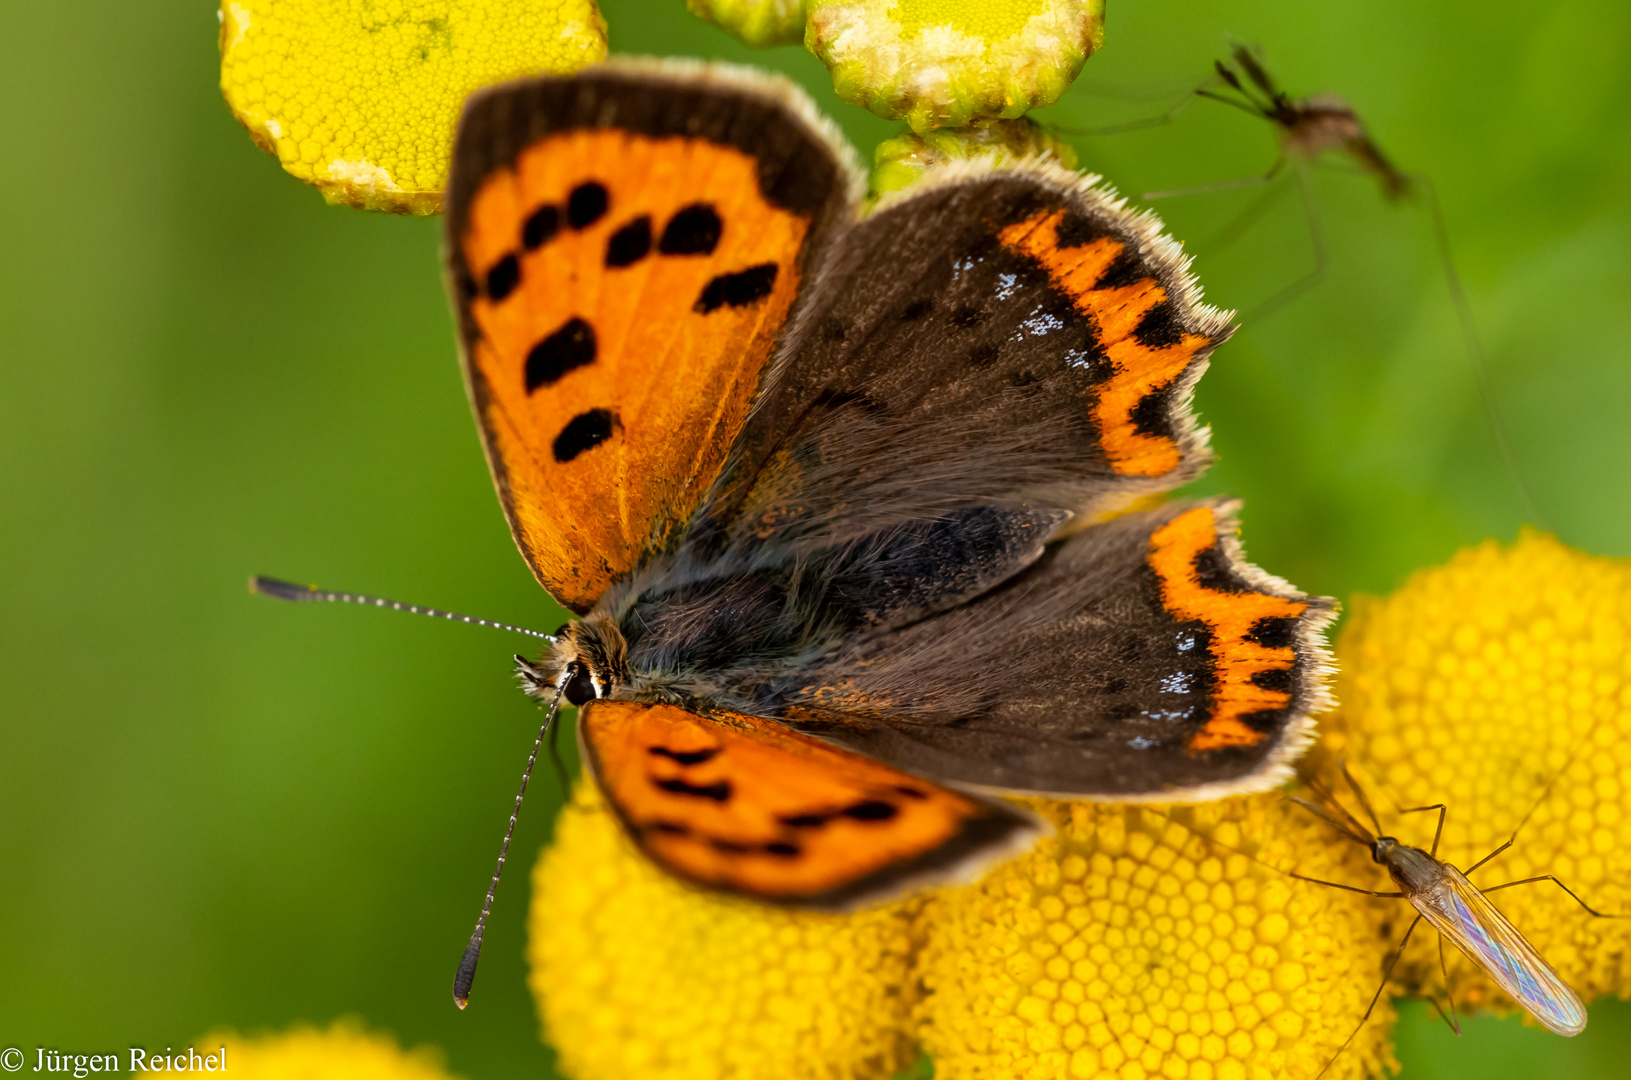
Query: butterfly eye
(580, 685)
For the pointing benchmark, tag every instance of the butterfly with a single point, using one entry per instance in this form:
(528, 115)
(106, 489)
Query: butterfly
(856, 513)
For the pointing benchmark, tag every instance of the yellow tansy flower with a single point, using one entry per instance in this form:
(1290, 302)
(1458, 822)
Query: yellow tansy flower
(359, 97)
(899, 161)
(640, 976)
(1162, 941)
(757, 22)
(948, 63)
(1477, 685)
(1149, 942)
(343, 1052)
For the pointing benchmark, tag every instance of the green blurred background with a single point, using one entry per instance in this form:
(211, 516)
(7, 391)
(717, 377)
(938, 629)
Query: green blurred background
(217, 810)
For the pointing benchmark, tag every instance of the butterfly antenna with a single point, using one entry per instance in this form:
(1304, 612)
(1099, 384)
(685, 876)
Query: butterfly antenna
(1477, 357)
(466, 975)
(284, 590)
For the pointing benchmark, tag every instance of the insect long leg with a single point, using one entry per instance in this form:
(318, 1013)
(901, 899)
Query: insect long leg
(1387, 974)
(1565, 888)
(1244, 220)
(1490, 856)
(1477, 357)
(1359, 793)
(1158, 120)
(1316, 235)
(1438, 832)
(1220, 185)
(1453, 1020)
(1339, 885)
(1348, 824)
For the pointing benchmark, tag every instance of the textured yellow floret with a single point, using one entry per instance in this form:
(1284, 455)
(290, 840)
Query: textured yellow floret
(757, 22)
(1151, 943)
(360, 97)
(640, 976)
(344, 1052)
(899, 161)
(1473, 685)
(948, 63)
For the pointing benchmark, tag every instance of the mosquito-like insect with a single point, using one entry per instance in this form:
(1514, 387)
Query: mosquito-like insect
(1457, 909)
(1308, 130)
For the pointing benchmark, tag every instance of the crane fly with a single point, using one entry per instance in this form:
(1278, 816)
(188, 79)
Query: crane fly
(1461, 912)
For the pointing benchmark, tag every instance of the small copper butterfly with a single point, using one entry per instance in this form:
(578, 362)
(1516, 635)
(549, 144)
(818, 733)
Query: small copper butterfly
(856, 511)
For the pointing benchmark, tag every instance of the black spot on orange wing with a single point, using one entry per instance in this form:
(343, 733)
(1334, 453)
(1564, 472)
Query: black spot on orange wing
(693, 230)
(586, 205)
(871, 810)
(540, 227)
(684, 757)
(629, 244)
(738, 289)
(1273, 633)
(1159, 328)
(1151, 416)
(718, 792)
(586, 431)
(503, 277)
(572, 346)
(1212, 571)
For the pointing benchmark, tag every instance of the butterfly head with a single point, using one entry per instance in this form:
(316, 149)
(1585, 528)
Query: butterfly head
(588, 660)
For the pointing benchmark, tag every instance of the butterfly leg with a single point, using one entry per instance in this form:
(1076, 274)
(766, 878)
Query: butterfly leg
(1387, 973)
(1565, 888)
(1438, 832)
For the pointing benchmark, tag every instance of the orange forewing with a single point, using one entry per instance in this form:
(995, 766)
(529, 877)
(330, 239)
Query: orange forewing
(748, 806)
(1231, 617)
(669, 378)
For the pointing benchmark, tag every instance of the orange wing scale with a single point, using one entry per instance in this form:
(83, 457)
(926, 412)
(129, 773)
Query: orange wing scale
(615, 364)
(746, 805)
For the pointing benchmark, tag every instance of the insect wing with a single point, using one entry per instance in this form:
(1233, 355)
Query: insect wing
(624, 247)
(743, 805)
(1462, 913)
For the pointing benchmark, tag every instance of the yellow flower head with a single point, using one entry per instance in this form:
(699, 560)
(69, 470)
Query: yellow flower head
(344, 1052)
(948, 63)
(1150, 942)
(1500, 685)
(359, 97)
(757, 22)
(640, 976)
(1161, 941)
(899, 161)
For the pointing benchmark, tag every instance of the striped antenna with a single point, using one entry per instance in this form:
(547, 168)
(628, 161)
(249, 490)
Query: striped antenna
(284, 590)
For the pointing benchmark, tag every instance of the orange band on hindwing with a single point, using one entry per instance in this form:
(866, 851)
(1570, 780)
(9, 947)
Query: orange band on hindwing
(1176, 551)
(745, 804)
(1139, 370)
